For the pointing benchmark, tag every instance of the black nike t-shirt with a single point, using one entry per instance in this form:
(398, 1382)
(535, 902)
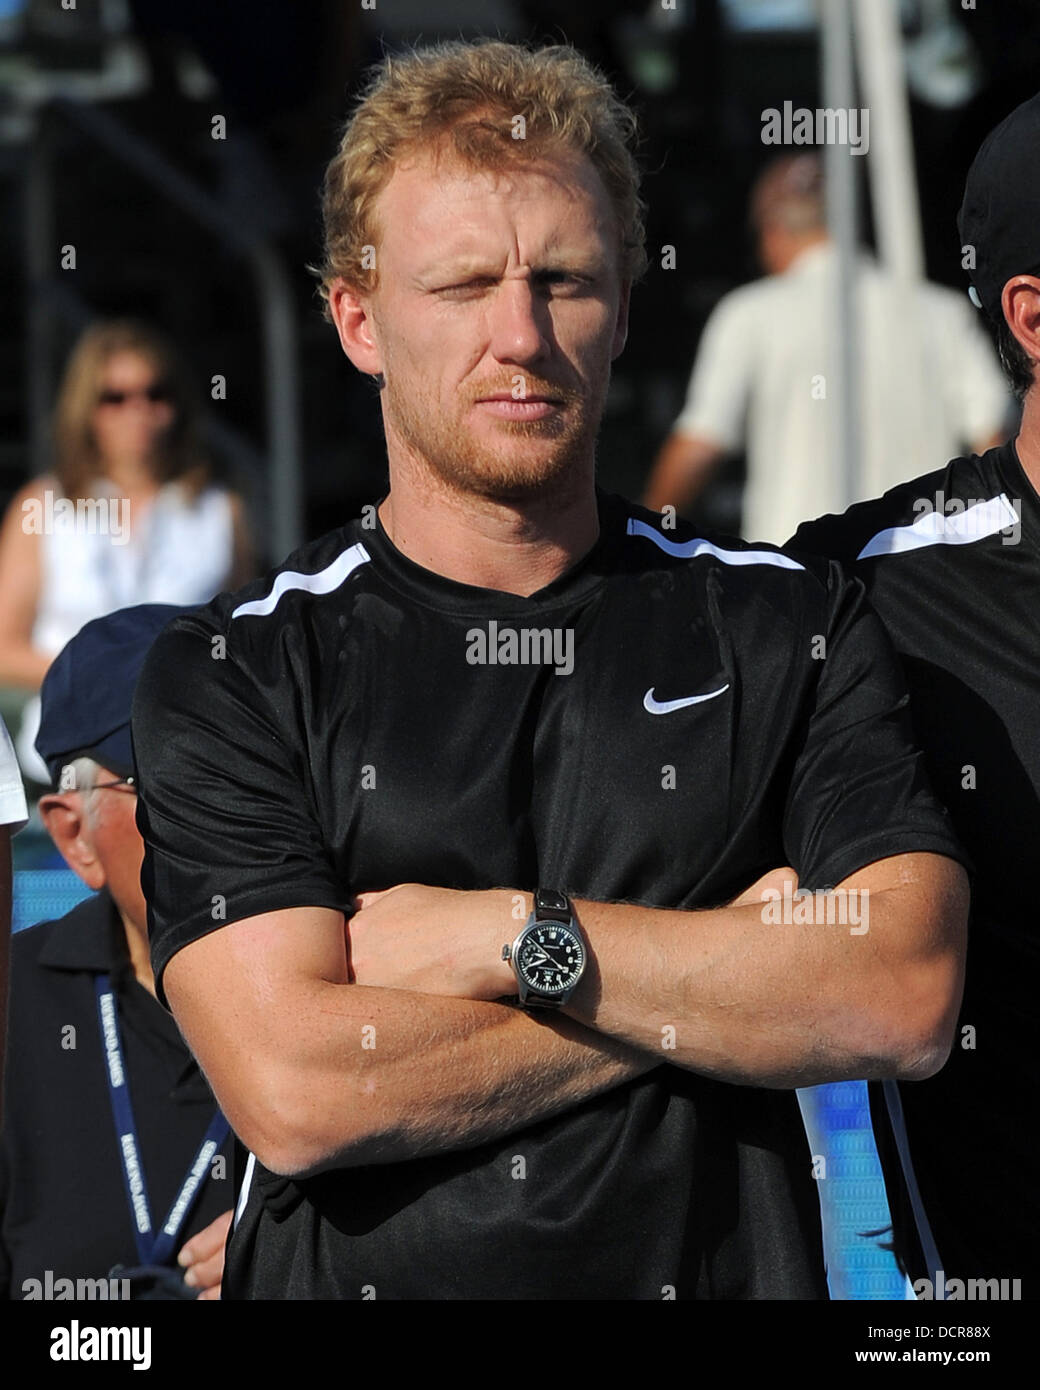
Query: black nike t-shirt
(951, 562)
(665, 722)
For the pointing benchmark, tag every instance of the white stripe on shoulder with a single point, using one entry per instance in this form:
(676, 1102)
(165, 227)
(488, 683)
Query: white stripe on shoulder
(331, 577)
(688, 550)
(936, 528)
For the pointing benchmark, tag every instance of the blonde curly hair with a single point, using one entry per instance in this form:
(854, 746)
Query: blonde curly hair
(470, 95)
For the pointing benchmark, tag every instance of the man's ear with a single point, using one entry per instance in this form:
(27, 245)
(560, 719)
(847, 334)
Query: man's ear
(1020, 301)
(67, 825)
(352, 315)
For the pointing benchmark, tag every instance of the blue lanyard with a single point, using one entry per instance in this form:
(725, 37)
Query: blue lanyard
(151, 1249)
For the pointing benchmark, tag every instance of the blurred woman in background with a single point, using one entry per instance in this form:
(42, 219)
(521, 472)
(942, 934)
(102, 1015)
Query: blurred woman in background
(130, 514)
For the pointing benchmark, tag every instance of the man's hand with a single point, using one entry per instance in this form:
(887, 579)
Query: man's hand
(436, 940)
(202, 1257)
(769, 884)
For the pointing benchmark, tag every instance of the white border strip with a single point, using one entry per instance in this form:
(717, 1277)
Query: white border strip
(934, 528)
(331, 577)
(243, 1195)
(691, 550)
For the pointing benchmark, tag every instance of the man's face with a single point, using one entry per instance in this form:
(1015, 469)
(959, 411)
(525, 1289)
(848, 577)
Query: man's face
(118, 845)
(499, 309)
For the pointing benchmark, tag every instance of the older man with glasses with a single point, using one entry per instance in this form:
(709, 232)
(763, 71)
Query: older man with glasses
(115, 1160)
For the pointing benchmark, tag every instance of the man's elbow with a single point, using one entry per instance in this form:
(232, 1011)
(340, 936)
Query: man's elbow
(286, 1139)
(919, 981)
(291, 1151)
(923, 1024)
(922, 1056)
(266, 1120)
(294, 1135)
(292, 1155)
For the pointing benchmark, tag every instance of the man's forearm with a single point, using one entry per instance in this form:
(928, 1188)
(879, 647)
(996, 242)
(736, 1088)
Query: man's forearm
(743, 996)
(314, 1072)
(737, 993)
(421, 1074)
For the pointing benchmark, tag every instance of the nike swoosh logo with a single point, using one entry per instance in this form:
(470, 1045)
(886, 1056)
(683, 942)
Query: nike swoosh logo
(666, 706)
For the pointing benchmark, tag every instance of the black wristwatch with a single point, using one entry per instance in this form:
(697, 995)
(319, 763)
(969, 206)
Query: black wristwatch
(549, 955)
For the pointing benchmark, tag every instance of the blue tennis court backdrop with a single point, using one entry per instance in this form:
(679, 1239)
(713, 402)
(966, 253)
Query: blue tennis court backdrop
(40, 895)
(852, 1192)
(837, 1121)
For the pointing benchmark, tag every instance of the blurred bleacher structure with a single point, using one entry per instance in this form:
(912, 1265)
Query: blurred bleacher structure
(119, 99)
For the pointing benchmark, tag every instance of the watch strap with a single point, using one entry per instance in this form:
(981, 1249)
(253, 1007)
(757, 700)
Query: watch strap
(549, 904)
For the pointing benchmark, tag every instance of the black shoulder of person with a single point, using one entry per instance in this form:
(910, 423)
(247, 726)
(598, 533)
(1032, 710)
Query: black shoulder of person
(973, 498)
(950, 561)
(842, 535)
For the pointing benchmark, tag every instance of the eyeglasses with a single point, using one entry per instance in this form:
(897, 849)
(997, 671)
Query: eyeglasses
(122, 784)
(158, 393)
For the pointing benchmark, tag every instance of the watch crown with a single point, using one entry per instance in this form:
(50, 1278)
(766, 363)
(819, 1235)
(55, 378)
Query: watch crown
(506, 951)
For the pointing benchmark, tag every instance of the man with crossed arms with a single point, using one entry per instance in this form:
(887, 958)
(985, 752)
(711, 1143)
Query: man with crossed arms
(321, 750)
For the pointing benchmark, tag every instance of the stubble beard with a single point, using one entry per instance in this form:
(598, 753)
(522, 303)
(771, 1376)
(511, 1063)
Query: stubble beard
(465, 464)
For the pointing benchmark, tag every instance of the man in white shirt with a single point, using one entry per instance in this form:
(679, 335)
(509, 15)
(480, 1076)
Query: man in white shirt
(929, 385)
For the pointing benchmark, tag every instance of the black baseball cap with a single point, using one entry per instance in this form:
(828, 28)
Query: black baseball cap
(1000, 214)
(87, 692)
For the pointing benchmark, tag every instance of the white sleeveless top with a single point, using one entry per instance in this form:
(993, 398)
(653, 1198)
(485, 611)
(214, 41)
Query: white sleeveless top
(13, 812)
(180, 551)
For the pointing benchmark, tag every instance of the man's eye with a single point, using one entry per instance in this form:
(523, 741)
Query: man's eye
(465, 288)
(553, 281)
(567, 280)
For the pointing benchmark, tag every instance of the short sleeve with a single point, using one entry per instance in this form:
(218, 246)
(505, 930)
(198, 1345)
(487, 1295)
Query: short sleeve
(859, 791)
(13, 810)
(720, 384)
(225, 805)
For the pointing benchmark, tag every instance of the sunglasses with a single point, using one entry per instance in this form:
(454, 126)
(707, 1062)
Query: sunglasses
(158, 393)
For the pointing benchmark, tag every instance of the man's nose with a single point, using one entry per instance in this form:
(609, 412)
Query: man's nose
(519, 323)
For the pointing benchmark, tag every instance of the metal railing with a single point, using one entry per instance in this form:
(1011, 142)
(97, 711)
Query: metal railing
(273, 292)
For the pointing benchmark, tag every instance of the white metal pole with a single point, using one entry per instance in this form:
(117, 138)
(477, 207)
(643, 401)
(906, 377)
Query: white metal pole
(893, 184)
(837, 82)
(897, 220)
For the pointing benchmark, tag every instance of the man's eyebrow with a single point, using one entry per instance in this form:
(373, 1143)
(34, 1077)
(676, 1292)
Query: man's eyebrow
(453, 269)
(582, 262)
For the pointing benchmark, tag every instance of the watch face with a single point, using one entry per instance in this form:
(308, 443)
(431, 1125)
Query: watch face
(551, 958)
